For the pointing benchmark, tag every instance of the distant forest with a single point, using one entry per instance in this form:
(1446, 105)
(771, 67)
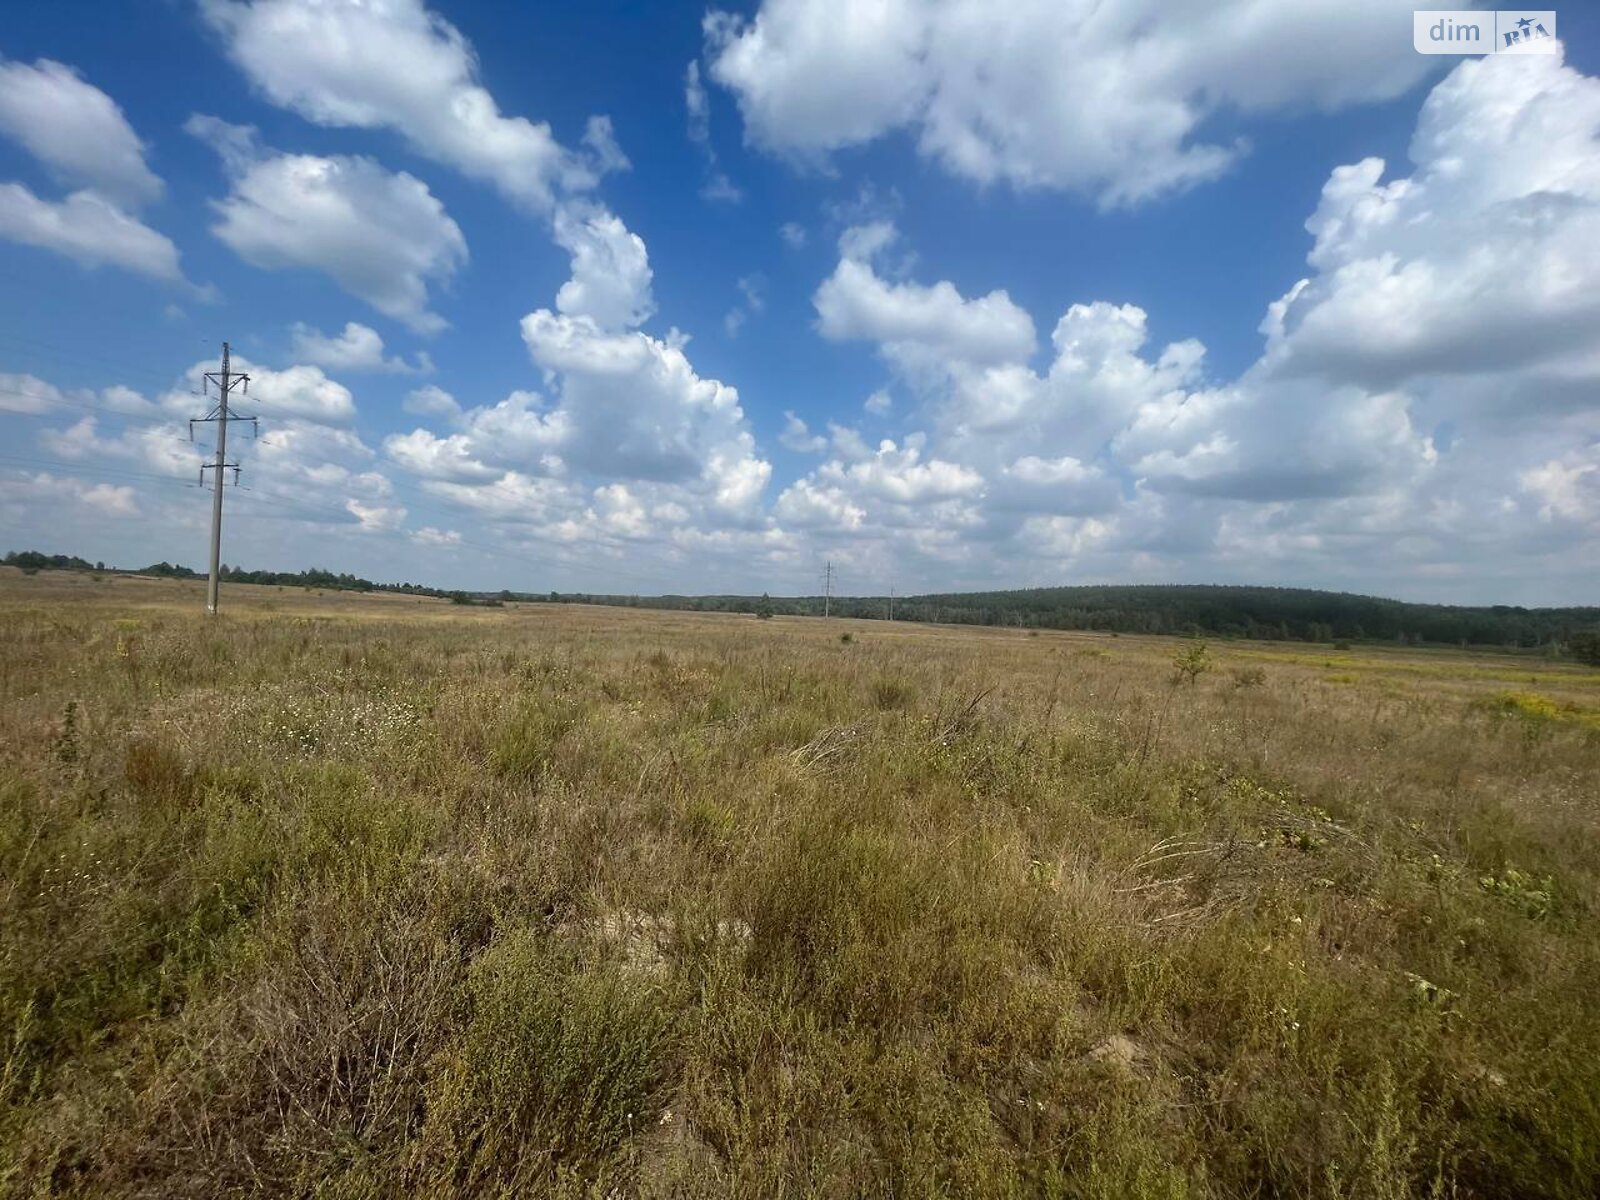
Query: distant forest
(1269, 613)
(1273, 614)
(33, 560)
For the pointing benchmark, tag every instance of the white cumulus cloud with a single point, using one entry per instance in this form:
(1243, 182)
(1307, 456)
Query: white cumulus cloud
(77, 131)
(357, 347)
(1109, 100)
(381, 235)
(394, 64)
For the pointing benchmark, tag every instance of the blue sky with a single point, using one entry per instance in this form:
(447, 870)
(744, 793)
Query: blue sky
(952, 297)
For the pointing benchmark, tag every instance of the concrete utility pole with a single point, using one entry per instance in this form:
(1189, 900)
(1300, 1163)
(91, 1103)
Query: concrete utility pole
(891, 602)
(827, 587)
(225, 380)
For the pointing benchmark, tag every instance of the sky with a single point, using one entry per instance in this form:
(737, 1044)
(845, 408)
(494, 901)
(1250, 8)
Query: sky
(639, 298)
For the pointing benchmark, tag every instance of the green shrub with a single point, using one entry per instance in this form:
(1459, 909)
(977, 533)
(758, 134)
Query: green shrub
(1585, 647)
(891, 692)
(527, 739)
(1190, 663)
(557, 1068)
(1532, 896)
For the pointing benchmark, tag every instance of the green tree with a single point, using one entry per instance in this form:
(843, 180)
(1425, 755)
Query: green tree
(1585, 646)
(1190, 664)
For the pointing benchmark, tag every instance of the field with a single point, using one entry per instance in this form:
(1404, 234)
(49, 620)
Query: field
(360, 896)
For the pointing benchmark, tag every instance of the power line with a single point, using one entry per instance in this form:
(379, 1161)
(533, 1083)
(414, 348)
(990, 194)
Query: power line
(67, 355)
(225, 381)
(145, 432)
(300, 510)
(60, 402)
(78, 468)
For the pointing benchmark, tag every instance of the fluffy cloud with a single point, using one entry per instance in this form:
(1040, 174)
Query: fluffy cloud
(80, 136)
(809, 505)
(23, 393)
(308, 469)
(910, 320)
(376, 518)
(430, 401)
(798, 437)
(433, 457)
(76, 130)
(88, 229)
(429, 536)
(393, 64)
(632, 406)
(305, 458)
(1107, 100)
(1566, 489)
(1424, 404)
(1486, 257)
(381, 235)
(611, 274)
(1466, 292)
(630, 445)
(155, 447)
(897, 474)
(300, 390)
(21, 492)
(358, 348)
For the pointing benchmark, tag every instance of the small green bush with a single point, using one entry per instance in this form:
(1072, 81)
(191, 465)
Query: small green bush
(891, 692)
(1190, 663)
(528, 738)
(558, 1067)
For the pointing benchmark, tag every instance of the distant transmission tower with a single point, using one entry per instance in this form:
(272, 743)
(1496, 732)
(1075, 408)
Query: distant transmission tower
(225, 381)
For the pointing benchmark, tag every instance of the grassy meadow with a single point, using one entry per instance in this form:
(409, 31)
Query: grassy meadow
(367, 896)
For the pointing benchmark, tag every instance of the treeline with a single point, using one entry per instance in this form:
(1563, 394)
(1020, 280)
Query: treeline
(33, 560)
(329, 581)
(315, 578)
(1266, 613)
(323, 580)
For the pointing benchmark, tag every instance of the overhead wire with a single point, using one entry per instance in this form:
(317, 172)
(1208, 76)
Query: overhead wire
(68, 354)
(300, 509)
(79, 468)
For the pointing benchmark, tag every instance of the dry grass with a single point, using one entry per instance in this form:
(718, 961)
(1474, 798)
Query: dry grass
(367, 896)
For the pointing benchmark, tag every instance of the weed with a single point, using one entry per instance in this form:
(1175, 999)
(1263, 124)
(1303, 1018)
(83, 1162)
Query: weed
(66, 743)
(892, 692)
(528, 737)
(1191, 662)
(1533, 897)
(556, 1071)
